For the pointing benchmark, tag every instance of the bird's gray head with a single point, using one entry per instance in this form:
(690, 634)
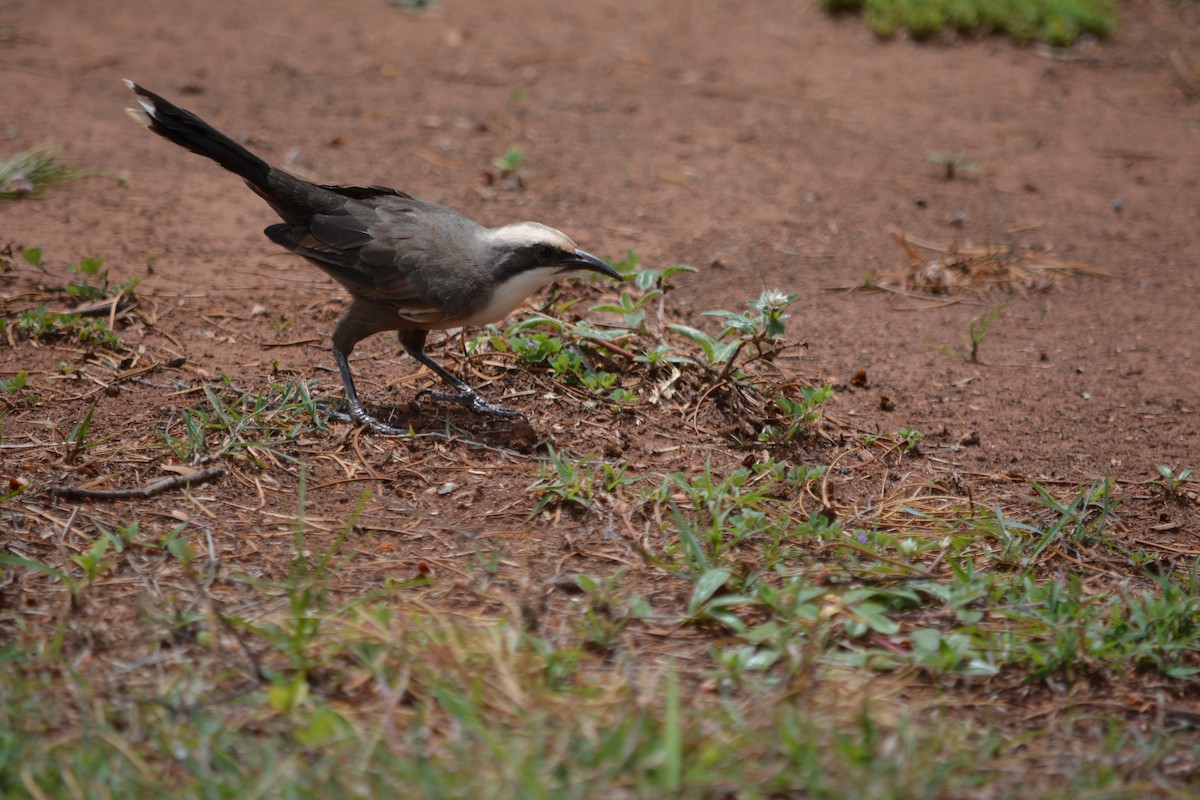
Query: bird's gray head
(531, 247)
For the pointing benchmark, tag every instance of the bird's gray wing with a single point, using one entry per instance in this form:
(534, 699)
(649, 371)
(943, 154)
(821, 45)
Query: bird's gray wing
(425, 261)
(393, 250)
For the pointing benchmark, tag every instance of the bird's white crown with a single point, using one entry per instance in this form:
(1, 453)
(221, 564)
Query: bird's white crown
(521, 234)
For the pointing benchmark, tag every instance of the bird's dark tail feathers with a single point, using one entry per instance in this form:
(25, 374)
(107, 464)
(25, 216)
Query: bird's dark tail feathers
(187, 130)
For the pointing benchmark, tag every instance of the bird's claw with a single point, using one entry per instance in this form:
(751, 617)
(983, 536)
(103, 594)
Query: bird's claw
(358, 416)
(472, 401)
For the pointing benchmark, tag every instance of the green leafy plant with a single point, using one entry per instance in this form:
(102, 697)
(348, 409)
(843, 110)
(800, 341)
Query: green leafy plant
(575, 482)
(16, 385)
(34, 256)
(560, 355)
(42, 323)
(605, 611)
(1078, 520)
(88, 268)
(651, 284)
(716, 352)
(1173, 484)
(943, 652)
(908, 440)
(92, 270)
(763, 325)
(717, 514)
(582, 352)
(92, 560)
(796, 415)
(510, 161)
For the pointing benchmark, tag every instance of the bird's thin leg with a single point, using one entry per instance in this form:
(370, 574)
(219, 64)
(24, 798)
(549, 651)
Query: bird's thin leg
(414, 345)
(357, 412)
(466, 395)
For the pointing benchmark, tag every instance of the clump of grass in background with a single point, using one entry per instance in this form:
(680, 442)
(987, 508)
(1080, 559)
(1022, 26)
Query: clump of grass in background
(27, 173)
(1057, 22)
(952, 164)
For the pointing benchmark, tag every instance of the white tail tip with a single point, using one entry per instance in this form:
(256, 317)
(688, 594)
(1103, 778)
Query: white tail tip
(139, 116)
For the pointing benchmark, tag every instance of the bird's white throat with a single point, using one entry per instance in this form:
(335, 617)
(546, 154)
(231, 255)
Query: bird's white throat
(509, 295)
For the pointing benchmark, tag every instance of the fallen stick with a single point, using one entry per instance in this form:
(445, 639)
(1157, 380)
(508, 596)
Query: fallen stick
(140, 492)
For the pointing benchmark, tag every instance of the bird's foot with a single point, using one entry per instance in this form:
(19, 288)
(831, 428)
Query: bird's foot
(358, 416)
(471, 400)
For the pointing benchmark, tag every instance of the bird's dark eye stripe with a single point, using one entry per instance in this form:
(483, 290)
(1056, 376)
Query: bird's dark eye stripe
(542, 250)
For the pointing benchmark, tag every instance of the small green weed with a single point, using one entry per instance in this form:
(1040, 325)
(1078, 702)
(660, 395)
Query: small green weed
(77, 439)
(249, 425)
(1174, 484)
(93, 284)
(796, 415)
(977, 331)
(761, 327)
(908, 440)
(575, 482)
(14, 384)
(561, 356)
(93, 269)
(93, 276)
(651, 284)
(952, 165)
(605, 612)
(1059, 627)
(15, 387)
(42, 323)
(714, 516)
(510, 162)
(1081, 520)
(603, 357)
(34, 256)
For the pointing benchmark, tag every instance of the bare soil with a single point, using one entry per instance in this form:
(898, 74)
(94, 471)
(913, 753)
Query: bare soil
(766, 143)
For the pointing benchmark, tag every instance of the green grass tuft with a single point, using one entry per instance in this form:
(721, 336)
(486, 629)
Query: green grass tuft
(29, 172)
(1056, 22)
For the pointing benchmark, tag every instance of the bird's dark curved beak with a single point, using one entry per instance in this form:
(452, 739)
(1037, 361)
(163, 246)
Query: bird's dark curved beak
(584, 260)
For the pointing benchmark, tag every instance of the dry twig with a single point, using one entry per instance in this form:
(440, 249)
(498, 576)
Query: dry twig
(141, 492)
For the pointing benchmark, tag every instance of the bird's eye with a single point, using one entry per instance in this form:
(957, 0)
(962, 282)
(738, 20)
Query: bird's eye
(544, 252)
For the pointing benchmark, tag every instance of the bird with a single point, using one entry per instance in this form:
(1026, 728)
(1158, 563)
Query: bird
(410, 265)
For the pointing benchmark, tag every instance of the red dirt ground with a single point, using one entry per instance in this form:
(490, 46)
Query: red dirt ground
(766, 143)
